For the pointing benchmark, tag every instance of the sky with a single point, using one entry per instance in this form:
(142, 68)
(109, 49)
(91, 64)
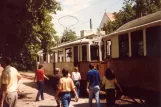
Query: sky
(76, 14)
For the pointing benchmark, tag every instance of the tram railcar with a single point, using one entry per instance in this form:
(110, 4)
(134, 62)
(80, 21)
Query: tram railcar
(76, 53)
(133, 52)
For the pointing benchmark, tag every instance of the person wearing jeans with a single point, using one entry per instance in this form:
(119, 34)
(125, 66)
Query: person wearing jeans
(93, 81)
(65, 86)
(39, 76)
(40, 85)
(76, 79)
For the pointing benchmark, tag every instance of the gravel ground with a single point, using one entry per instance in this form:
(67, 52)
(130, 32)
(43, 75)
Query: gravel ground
(28, 93)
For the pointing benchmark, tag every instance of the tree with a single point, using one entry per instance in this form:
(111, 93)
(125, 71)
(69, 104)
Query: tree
(123, 16)
(68, 36)
(35, 22)
(131, 10)
(145, 7)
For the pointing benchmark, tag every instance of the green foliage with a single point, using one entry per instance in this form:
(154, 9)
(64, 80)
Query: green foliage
(18, 66)
(68, 36)
(144, 7)
(36, 23)
(131, 10)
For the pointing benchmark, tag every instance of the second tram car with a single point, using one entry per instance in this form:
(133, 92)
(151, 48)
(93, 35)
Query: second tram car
(133, 52)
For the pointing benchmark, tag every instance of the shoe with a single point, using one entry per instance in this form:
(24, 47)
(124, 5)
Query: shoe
(37, 100)
(76, 99)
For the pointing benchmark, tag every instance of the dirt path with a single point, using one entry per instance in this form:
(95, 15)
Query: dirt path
(29, 91)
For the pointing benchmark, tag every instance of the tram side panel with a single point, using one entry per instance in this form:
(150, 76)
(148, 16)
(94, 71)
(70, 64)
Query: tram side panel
(140, 76)
(83, 68)
(67, 65)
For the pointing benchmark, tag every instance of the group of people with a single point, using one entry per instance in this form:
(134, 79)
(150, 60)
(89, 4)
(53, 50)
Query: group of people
(64, 85)
(93, 86)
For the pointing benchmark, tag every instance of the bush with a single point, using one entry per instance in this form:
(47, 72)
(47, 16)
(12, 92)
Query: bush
(19, 66)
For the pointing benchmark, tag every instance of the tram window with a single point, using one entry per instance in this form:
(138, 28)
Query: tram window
(123, 45)
(38, 58)
(56, 58)
(68, 53)
(60, 56)
(75, 53)
(44, 57)
(103, 50)
(94, 52)
(108, 48)
(153, 41)
(84, 53)
(51, 58)
(62, 59)
(59, 59)
(137, 43)
(41, 59)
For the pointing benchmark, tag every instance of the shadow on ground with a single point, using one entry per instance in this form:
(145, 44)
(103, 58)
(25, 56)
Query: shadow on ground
(28, 76)
(47, 89)
(123, 105)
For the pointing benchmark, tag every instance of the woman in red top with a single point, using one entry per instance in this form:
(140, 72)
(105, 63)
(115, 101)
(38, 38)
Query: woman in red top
(39, 76)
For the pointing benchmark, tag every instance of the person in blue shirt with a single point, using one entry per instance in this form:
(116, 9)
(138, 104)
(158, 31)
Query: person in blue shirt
(93, 81)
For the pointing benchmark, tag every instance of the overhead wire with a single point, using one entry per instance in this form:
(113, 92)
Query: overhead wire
(117, 1)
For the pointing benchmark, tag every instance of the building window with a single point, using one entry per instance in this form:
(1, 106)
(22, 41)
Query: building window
(108, 48)
(84, 53)
(137, 46)
(153, 41)
(123, 45)
(94, 52)
(68, 53)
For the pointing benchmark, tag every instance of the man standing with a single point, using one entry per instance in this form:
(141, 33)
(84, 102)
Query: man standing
(9, 83)
(93, 81)
(56, 79)
(39, 78)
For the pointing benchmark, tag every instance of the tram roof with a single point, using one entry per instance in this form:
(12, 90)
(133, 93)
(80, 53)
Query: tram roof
(138, 23)
(76, 42)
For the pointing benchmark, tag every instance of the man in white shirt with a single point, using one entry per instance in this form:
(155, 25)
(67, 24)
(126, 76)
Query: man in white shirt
(76, 78)
(9, 84)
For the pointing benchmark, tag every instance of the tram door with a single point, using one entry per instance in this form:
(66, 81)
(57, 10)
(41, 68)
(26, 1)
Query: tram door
(75, 55)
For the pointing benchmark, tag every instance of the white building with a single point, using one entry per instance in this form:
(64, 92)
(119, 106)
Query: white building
(106, 17)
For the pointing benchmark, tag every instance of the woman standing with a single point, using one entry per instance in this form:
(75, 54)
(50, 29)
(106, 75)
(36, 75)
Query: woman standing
(76, 78)
(39, 76)
(110, 82)
(66, 85)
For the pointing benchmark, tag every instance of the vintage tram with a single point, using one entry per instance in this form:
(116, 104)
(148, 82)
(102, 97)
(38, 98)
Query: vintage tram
(132, 51)
(76, 53)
